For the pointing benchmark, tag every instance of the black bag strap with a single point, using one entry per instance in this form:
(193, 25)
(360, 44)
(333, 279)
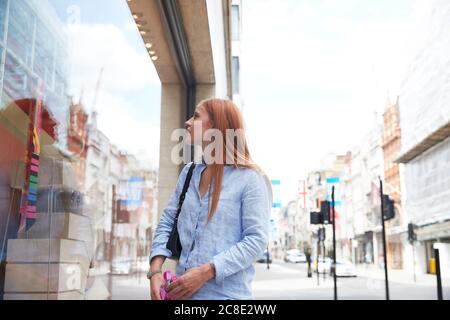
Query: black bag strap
(185, 188)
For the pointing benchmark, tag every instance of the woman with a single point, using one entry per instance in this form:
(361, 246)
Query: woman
(223, 224)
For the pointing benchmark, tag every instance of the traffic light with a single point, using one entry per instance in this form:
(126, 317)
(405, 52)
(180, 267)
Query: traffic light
(388, 207)
(323, 216)
(411, 233)
(325, 211)
(316, 218)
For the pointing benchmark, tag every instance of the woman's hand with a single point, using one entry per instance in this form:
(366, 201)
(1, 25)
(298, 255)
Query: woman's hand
(190, 282)
(155, 283)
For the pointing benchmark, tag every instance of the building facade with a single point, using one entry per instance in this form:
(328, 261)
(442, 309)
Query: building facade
(396, 227)
(236, 51)
(331, 171)
(121, 194)
(366, 170)
(425, 143)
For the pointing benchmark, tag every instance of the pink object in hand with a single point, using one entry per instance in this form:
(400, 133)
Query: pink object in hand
(169, 278)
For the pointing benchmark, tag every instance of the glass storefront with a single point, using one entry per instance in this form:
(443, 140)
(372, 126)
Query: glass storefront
(75, 204)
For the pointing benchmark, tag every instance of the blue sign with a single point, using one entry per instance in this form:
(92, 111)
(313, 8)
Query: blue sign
(132, 192)
(276, 190)
(335, 181)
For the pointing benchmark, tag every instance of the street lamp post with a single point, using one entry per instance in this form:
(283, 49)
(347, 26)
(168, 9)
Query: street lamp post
(384, 241)
(414, 260)
(334, 244)
(111, 239)
(438, 274)
(317, 257)
(323, 248)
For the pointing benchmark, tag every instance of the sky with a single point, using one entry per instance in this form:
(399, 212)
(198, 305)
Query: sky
(316, 77)
(314, 74)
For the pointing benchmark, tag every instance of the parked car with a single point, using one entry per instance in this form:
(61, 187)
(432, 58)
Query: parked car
(344, 268)
(293, 251)
(295, 258)
(264, 257)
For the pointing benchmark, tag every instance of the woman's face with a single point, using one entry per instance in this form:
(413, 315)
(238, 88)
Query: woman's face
(201, 121)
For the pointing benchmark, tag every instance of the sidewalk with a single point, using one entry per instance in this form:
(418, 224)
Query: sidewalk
(400, 276)
(282, 282)
(134, 286)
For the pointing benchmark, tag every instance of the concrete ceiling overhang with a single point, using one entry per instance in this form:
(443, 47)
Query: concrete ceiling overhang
(150, 21)
(166, 24)
(196, 25)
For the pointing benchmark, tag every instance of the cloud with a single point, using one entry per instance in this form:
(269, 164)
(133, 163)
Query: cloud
(105, 46)
(125, 114)
(137, 136)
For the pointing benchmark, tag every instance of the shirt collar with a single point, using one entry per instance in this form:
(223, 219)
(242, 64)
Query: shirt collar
(203, 163)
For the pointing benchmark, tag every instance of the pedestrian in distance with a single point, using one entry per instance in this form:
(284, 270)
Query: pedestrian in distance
(308, 261)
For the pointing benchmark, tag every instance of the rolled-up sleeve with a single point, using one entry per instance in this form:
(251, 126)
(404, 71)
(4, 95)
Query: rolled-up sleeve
(256, 203)
(165, 224)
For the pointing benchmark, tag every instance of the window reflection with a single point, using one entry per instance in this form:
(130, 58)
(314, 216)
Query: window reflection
(61, 223)
(2, 19)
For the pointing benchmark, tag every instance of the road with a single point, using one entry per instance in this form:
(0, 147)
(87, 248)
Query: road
(288, 281)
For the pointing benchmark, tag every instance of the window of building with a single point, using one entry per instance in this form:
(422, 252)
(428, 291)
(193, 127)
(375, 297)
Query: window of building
(20, 31)
(235, 22)
(236, 75)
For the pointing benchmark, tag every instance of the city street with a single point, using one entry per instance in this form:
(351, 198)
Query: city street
(286, 281)
(289, 281)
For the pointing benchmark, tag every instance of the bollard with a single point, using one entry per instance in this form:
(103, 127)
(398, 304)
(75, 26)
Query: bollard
(438, 275)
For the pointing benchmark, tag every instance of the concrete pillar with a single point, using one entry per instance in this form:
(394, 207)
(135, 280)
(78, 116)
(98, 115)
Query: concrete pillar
(173, 105)
(173, 108)
(173, 112)
(172, 117)
(205, 91)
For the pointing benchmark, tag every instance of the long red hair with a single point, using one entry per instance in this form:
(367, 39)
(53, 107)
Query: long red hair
(224, 114)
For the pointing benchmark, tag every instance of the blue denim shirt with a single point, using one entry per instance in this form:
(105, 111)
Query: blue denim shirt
(233, 240)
